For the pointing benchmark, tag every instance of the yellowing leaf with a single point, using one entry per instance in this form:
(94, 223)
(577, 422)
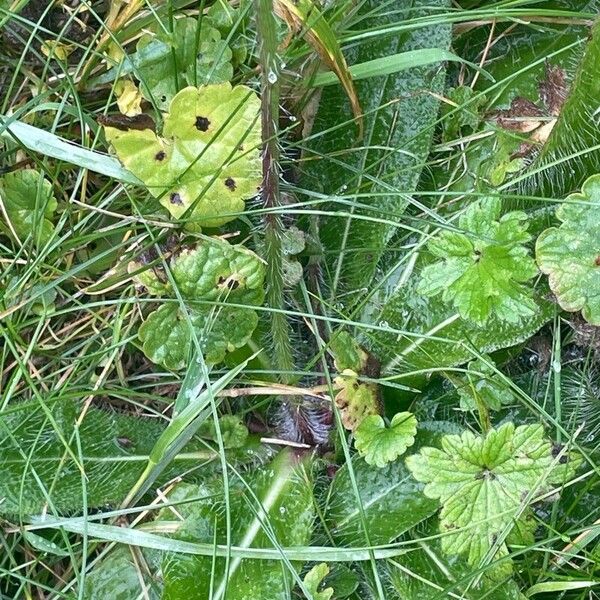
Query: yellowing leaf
(129, 98)
(356, 400)
(313, 579)
(207, 161)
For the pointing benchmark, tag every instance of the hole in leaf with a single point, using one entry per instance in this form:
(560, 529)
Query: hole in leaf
(230, 184)
(160, 155)
(176, 199)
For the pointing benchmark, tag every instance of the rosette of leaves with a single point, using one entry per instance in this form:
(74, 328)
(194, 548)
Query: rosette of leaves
(209, 277)
(29, 204)
(570, 253)
(483, 267)
(484, 483)
(379, 444)
(192, 54)
(207, 161)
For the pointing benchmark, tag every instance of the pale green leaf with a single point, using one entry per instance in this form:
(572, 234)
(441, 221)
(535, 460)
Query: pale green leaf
(313, 579)
(233, 431)
(570, 254)
(483, 482)
(29, 204)
(379, 444)
(207, 161)
(356, 400)
(484, 269)
(482, 382)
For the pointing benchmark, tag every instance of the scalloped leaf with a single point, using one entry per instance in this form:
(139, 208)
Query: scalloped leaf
(29, 204)
(208, 276)
(482, 271)
(482, 482)
(379, 444)
(207, 161)
(570, 254)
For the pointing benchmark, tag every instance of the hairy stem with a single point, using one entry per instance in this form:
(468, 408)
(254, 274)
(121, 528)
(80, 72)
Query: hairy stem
(280, 330)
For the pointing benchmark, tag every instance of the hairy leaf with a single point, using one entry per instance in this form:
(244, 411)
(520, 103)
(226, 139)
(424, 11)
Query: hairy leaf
(276, 504)
(392, 500)
(41, 464)
(483, 482)
(28, 204)
(211, 272)
(379, 444)
(432, 334)
(571, 153)
(207, 161)
(570, 254)
(483, 270)
(386, 165)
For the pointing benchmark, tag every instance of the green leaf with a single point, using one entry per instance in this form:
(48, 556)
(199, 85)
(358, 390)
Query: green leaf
(379, 444)
(29, 204)
(277, 503)
(482, 381)
(313, 579)
(347, 353)
(118, 576)
(387, 65)
(211, 271)
(570, 255)
(483, 482)
(426, 573)
(571, 153)
(233, 431)
(400, 113)
(192, 55)
(429, 334)
(392, 500)
(483, 271)
(207, 162)
(467, 116)
(41, 464)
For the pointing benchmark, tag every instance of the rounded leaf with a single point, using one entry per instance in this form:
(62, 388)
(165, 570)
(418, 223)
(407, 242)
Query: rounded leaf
(570, 254)
(207, 161)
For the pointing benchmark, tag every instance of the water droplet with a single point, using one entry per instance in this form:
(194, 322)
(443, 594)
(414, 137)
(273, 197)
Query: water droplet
(293, 119)
(272, 77)
(282, 510)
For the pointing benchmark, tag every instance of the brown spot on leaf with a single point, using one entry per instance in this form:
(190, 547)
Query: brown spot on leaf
(160, 155)
(230, 184)
(523, 115)
(553, 89)
(202, 123)
(230, 282)
(124, 123)
(597, 261)
(176, 199)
